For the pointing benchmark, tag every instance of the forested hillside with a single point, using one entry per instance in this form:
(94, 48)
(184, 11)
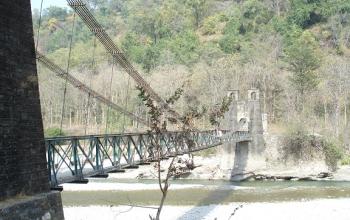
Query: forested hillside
(296, 52)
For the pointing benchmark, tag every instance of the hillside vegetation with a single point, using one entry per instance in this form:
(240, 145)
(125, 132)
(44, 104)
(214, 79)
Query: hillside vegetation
(296, 52)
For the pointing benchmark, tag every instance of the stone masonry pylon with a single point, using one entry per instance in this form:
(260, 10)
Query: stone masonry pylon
(24, 183)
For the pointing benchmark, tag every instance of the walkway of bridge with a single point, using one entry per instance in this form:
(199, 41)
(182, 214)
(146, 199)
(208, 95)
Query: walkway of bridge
(72, 159)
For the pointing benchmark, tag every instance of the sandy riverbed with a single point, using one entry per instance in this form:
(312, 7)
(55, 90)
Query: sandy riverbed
(317, 209)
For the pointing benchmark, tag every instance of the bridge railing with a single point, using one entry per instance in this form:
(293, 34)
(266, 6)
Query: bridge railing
(73, 158)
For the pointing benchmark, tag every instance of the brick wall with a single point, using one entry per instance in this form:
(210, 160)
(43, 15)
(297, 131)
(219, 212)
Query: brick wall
(22, 151)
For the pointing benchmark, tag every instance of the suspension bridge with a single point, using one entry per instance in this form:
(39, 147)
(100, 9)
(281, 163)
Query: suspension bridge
(73, 159)
(32, 165)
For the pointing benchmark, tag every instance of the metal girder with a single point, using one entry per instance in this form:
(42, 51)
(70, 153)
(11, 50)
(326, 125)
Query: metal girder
(74, 158)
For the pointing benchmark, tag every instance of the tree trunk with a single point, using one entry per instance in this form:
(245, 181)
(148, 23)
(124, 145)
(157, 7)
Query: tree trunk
(161, 203)
(70, 118)
(337, 115)
(51, 114)
(345, 115)
(325, 112)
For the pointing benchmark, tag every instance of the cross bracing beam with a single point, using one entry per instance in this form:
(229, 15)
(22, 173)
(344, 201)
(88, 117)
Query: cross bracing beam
(81, 86)
(75, 158)
(80, 8)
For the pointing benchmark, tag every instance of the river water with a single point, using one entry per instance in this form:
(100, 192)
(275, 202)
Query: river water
(203, 192)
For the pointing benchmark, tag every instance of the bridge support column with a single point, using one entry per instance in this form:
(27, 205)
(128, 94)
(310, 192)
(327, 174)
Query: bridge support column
(24, 181)
(256, 129)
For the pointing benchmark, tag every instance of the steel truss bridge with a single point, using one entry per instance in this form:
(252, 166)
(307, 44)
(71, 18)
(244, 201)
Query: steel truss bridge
(72, 159)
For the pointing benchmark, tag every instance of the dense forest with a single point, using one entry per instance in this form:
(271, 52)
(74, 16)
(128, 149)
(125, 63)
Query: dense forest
(296, 52)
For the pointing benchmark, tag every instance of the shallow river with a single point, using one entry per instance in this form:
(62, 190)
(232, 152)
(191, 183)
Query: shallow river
(208, 192)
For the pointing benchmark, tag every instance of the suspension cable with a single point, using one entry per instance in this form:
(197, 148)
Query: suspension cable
(68, 66)
(90, 84)
(110, 96)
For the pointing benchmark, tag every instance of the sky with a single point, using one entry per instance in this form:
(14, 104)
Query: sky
(48, 3)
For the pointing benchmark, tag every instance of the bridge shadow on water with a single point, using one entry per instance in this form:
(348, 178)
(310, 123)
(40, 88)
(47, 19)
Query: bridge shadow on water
(222, 192)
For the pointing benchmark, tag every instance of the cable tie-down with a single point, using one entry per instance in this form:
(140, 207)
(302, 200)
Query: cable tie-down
(116, 52)
(97, 30)
(76, 3)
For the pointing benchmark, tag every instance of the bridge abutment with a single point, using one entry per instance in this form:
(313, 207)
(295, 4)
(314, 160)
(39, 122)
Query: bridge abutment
(25, 192)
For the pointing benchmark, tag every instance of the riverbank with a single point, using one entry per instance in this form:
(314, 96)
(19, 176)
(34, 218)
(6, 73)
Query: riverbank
(317, 209)
(211, 168)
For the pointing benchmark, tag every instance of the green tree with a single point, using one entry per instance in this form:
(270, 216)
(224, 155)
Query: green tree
(149, 20)
(199, 9)
(185, 47)
(230, 43)
(55, 12)
(306, 13)
(304, 59)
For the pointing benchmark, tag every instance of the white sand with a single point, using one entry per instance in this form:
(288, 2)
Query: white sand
(335, 209)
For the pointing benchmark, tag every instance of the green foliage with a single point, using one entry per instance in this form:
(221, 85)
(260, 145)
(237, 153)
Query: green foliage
(178, 93)
(300, 145)
(185, 47)
(230, 44)
(290, 32)
(333, 153)
(154, 110)
(141, 51)
(199, 9)
(304, 59)
(218, 112)
(57, 41)
(304, 13)
(307, 13)
(149, 21)
(55, 12)
(210, 25)
(54, 132)
(345, 160)
(232, 26)
(252, 16)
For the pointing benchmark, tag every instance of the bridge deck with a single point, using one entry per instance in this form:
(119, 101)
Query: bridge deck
(77, 157)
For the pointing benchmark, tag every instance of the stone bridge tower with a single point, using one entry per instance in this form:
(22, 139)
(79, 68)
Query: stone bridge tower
(244, 115)
(24, 184)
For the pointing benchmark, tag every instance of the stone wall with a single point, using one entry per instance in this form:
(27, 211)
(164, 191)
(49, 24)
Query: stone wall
(46, 206)
(23, 168)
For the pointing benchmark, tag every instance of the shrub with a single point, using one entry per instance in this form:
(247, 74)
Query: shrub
(185, 46)
(54, 132)
(210, 25)
(345, 160)
(302, 146)
(230, 44)
(333, 153)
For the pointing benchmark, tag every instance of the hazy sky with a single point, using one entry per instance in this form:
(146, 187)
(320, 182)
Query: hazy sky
(48, 3)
